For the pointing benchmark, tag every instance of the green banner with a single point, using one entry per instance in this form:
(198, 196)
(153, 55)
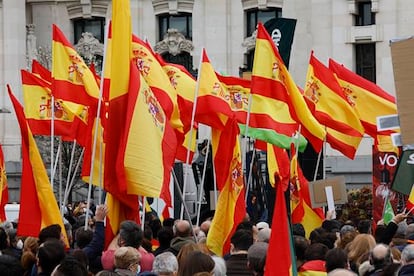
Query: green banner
(404, 176)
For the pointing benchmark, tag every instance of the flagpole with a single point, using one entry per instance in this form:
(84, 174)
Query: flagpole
(100, 168)
(74, 175)
(52, 138)
(187, 159)
(95, 136)
(200, 194)
(244, 146)
(249, 178)
(319, 159)
(72, 157)
(60, 177)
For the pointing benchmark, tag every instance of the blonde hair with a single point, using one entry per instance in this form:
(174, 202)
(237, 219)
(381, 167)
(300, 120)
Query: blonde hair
(360, 247)
(126, 256)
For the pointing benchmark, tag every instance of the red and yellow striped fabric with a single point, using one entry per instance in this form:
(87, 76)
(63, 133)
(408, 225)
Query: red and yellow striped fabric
(271, 76)
(38, 205)
(231, 205)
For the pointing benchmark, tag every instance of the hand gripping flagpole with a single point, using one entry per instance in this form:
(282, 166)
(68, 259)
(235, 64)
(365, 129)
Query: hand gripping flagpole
(187, 159)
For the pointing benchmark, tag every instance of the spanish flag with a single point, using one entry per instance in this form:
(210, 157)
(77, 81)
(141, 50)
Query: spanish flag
(153, 73)
(213, 99)
(278, 166)
(70, 119)
(38, 206)
(280, 254)
(72, 80)
(4, 194)
(271, 76)
(40, 71)
(231, 205)
(331, 108)
(367, 98)
(185, 85)
(117, 76)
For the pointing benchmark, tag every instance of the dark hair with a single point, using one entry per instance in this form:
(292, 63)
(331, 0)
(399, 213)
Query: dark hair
(195, 262)
(50, 254)
(336, 258)
(165, 235)
(168, 222)
(70, 266)
(242, 239)
(130, 233)
(364, 226)
(298, 230)
(10, 266)
(3, 239)
(83, 237)
(300, 244)
(50, 232)
(247, 225)
(316, 251)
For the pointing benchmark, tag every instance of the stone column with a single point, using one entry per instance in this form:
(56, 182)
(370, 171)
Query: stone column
(12, 59)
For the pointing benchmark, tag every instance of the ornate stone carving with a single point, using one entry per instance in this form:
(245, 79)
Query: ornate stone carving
(30, 44)
(88, 46)
(250, 42)
(174, 43)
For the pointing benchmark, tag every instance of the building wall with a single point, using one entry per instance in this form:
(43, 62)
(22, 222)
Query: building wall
(324, 26)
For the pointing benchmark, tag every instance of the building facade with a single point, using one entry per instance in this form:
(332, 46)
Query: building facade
(353, 32)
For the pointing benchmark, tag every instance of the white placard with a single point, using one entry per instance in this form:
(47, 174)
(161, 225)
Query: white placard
(330, 200)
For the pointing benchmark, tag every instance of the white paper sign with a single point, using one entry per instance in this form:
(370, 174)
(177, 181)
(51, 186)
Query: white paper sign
(330, 200)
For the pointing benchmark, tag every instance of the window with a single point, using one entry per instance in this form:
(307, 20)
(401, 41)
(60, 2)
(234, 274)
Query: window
(182, 22)
(365, 61)
(365, 16)
(96, 26)
(255, 16)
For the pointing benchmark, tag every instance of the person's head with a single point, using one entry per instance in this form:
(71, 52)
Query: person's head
(127, 257)
(336, 258)
(196, 262)
(205, 226)
(185, 251)
(407, 255)
(106, 273)
(262, 225)
(380, 256)
(300, 244)
(165, 264)
(182, 228)
(316, 251)
(53, 231)
(241, 240)
(70, 266)
(332, 225)
(341, 272)
(130, 234)
(83, 237)
(264, 235)
(365, 226)
(346, 238)
(49, 255)
(256, 257)
(361, 245)
(165, 235)
(10, 266)
(298, 230)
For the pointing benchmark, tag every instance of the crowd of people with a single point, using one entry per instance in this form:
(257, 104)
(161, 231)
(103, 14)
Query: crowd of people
(176, 247)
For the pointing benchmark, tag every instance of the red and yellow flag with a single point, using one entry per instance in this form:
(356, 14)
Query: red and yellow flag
(72, 80)
(331, 108)
(117, 76)
(367, 98)
(278, 166)
(231, 205)
(4, 194)
(300, 203)
(185, 85)
(159, 82)
(271, 76)
(38, 205)
(280, 248)
(213, 99)
(70, 119)
(40, 71)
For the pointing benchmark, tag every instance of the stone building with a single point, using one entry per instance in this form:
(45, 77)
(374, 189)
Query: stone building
(353, 32)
